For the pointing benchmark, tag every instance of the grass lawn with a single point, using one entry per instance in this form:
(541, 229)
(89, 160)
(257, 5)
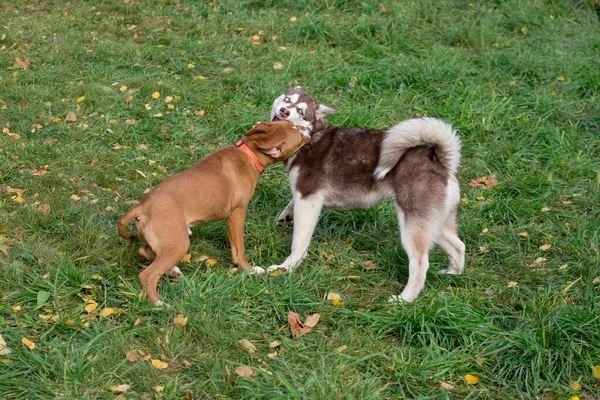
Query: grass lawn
(100, 101)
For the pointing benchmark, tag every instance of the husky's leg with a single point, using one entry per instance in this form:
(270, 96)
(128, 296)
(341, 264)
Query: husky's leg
(306, 216)
(417, 235)
(286, 216)
(452, 245)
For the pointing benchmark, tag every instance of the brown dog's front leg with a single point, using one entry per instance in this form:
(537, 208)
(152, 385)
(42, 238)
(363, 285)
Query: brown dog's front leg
(235, 231)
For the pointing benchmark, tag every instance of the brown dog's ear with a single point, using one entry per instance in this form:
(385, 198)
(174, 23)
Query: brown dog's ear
(259, 127)
(272, 147)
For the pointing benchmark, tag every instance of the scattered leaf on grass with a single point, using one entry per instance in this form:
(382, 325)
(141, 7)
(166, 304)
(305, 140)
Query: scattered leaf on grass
(545, 247)
(180, 320)
(187, 258)
(28, 343)
(211, 261)
(277, 65)
(523, 234)
(472, 379)
(539, 261)
(159, 364)
(4, 350)
(368, 265)
(91, 306)
(574, 385)
(137, 322)
(71, 117)
(596, 371)
(74, 197)
(119, 388)
(446, 386)
(274, 344)
(155, 95)
(159, 389)
(22, 63)
(246, 344)
(484, 181)
(131, 356)
(546, 209)
(341, 348)
(298, 328)
(107, 311)
(245, 371)
(512, 284)
(80, 99)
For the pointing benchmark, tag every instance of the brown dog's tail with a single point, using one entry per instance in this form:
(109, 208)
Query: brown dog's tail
(124, 221)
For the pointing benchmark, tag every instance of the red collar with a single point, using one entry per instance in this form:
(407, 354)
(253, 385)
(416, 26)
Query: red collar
(244, 147)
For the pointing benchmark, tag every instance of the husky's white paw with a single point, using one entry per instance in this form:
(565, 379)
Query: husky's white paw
(398, 298)
(257, 271)
(276, 267)
(449, 271)
(285, 218)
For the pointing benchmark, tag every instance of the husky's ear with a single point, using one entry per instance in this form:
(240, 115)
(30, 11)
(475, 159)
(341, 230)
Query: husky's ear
(323, 110)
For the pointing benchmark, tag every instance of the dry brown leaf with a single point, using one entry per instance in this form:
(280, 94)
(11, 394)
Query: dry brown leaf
(131, 356)
(245, 372)
(274, 344)
(71, 117)
(277, 65)
(246, 344)
(484, 181)
(341, 348)
(446, 386)
(539, 261)
(4, 350)
(368, 265)
(22, 63)
(298, 328)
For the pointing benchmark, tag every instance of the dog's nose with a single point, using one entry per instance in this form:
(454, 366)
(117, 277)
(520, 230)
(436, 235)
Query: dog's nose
(284, 112)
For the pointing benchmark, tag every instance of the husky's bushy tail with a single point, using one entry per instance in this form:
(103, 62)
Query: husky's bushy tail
(416, 132)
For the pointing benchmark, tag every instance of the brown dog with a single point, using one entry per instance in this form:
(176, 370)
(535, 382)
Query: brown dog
(218, 187)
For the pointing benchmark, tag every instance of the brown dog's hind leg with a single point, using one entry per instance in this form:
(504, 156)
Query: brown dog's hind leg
(166, 258)
(147, 253)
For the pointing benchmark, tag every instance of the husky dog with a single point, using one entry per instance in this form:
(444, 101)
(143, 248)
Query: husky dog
(414, 163)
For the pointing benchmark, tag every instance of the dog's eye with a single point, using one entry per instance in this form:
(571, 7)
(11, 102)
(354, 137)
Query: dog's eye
(300, 111)
(286, 99)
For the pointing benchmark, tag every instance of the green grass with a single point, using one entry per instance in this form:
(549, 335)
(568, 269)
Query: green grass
(519, 79)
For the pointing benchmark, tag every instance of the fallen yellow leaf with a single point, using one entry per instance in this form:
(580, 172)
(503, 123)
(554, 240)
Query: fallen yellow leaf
(75, 197)
(512, 284)
(596, 371)
(155, 95)
(106, 312)
(277, 65)
(91, 306)
(80, 99)
(211, 261)
(28, 343)
(472, 379)
(187, 258)
(123, 88)
(341, 348)
(574, 385)
(524, 234)
(159, 364)
(119, 388)
(180, 320)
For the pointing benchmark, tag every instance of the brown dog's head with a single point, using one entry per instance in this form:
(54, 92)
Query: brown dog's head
(278, 140)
